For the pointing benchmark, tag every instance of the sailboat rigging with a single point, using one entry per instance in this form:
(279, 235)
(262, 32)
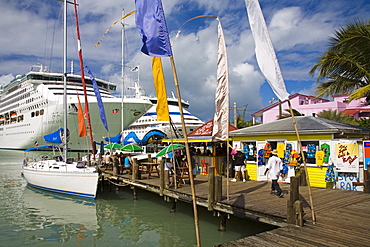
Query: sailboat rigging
(63, 174)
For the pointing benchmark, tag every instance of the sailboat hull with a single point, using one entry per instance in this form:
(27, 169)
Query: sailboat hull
(62, 178)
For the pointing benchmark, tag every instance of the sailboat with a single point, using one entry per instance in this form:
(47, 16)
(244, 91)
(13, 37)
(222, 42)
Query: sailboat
(57, 172)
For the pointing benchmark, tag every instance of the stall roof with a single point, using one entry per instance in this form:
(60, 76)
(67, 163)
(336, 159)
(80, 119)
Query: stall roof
(202, 133)
(206, 129)
(305, 124)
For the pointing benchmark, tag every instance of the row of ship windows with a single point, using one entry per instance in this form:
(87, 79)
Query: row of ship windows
(13, 118)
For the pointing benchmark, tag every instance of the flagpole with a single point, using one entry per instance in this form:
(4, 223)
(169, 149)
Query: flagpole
(196, 218)
(304, 162)
(123, 66)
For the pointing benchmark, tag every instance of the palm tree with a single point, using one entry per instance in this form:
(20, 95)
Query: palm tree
(338, 116)
(287, 113)
(346, 63)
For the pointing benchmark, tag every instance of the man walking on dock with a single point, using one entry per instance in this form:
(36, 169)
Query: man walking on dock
(274, 165)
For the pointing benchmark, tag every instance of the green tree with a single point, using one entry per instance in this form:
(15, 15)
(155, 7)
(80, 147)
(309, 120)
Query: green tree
(242, 123)
(338, 116)
(345, 66)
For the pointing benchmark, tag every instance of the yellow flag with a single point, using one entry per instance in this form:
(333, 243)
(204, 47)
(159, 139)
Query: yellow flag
(160, 89)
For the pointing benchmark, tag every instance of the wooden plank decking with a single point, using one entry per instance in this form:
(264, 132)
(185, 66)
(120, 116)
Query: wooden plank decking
(342, 216)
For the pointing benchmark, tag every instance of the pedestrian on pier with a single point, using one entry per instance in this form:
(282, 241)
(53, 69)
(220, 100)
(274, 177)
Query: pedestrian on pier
(274, 166)
(239, 165)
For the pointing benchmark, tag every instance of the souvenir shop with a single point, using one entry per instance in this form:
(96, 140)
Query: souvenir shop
(333, 160)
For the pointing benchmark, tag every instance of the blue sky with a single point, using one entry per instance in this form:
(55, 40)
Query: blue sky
(31, 33)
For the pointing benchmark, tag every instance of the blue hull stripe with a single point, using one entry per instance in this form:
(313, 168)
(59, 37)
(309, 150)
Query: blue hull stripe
(89, 196)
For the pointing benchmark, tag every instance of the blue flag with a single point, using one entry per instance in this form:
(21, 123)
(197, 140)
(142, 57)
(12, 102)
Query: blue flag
(152, 27)
(98, 99)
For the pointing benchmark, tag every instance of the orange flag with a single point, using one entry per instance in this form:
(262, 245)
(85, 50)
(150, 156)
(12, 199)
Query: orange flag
(81, 122)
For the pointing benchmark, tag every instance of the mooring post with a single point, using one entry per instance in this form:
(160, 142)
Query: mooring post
(298, 210)
(102, 183)
(173, 205)
(135, 169)
(223, 218)
(367, 186)
(302, 177)
(211, 187)
(293, 197)
(218, 188)
(115, 166)
(161, 177)
(134, 192)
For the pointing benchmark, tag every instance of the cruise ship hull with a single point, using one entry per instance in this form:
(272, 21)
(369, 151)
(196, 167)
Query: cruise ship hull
(31, 109)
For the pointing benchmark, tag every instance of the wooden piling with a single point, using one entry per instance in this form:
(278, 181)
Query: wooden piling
(223, 218)
(134, 192)
(302, 178)
(218, 188)
(293, 197)
(162, 177)
(173, 205)
(298, 211)
(211, 187)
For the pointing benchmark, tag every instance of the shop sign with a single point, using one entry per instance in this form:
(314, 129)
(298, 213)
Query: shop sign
(345, 181)
(366, 155)
(346, 157)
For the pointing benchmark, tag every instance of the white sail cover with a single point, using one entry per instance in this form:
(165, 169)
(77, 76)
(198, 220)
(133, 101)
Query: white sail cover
(265, 53)
(221, 119)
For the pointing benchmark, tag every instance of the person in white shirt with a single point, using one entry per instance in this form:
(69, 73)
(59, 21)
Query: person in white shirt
(274, 166)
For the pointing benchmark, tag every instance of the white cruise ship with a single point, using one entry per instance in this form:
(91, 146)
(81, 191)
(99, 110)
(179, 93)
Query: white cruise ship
(31, 106)
(147, 128)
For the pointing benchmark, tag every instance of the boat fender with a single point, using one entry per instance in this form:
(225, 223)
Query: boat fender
(25, 160)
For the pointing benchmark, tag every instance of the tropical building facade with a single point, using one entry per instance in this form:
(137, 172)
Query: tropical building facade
(311, 106)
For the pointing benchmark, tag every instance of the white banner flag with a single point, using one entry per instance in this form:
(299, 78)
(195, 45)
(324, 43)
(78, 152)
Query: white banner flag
(265, 53)
(221, 119)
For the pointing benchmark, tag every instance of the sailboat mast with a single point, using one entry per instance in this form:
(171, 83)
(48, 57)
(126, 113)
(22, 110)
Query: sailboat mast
(123, 66)
(65, 143)
(82, 68)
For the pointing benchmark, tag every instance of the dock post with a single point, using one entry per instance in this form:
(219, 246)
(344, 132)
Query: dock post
(211, 187)
(298, 210)
(223, 218)
(302, 178)
(161, 177)
(134, 191)
(115, 166)
(102, 183)
(135, 169)
(293, 197)
(218, 188)
(173, 205)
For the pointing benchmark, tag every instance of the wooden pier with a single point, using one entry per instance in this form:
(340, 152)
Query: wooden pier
(341, 216)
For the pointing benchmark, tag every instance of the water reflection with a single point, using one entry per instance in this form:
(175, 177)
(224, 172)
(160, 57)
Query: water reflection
(34, 217)
(65, 216)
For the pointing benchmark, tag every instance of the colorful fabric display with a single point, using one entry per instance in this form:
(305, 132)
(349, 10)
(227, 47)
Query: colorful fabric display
(260, 157)
(280, 148)
(293, 158)
(288, 152)
(326, 148)
(268, 150)
(330, 175)
(251, 149)
(311, 150)
(319, 155)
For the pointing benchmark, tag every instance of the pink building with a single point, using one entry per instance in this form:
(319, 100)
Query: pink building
(310, 106)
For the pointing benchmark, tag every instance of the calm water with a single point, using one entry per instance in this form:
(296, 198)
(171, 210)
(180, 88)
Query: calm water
(30, 217)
